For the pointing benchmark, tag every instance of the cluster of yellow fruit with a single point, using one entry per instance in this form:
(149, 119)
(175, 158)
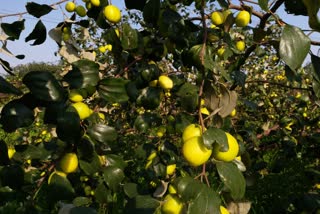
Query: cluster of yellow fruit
(242, 19)
(111, 12)
(170, 169)
(105, 48)
(78, 9)
(82, 109)
(196, 153)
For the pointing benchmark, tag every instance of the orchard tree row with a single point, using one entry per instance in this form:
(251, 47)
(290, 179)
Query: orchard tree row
(172, 106)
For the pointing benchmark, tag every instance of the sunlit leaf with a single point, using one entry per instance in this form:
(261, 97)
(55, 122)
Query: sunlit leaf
(113, 176)
(113, 90)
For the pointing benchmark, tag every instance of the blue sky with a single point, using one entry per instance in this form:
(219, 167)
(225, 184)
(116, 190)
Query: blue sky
(45, 52)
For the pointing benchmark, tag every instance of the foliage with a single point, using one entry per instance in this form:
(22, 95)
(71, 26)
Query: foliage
(135, 126)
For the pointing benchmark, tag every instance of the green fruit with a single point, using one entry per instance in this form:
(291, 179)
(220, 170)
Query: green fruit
(81, 11)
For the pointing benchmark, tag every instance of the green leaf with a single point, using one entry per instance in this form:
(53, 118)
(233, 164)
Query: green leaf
(187, 187)
(137, 4)
(294, 46)
(263, 4)
(34, 152)
(188, 93)
(38, 10)
(130, 189)
(113, 176)
(82, 210)
(68, 126)
(315, 60)
(232, 178)
(12, 176)
(6, 66)
(8, 88)
(201, 57)
(215, 135)
(14, 29)
(312, 8)
(102, 133)
(90, 167)
(149, 98)
(16, 114)
(316, 87)
(81, 201)
(44, 86)
(4, 158)
(113, 90)
(102, 193)
(151, 11)
(142, 204)
(39, 34)
(223, 4)
(206, 202)
(84, 73)
(129, 37)
(60, 187)
(116, 161)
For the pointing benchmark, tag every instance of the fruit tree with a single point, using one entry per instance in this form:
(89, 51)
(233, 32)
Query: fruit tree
(172, 106)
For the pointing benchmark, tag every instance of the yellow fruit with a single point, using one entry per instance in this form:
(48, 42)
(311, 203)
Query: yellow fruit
(102, 49)
(228, 155)
(221, 51)
(81, 11)
(161, 131)
(56, 173)
(88, 5)
(223, 210)
(69, 163)
(172, 189)
(233, 113)
(112, 13)
(171, 205)
(109, 47)
(95, 3)
(70, 6)
(117, 32)
(226, 13)
(240, 45)
(75, 96)
(205, 111)
(165, 82)
(153, 83)
(83, 110)
(66, 36)
(101, 116)
(152, 156)
(11, 152)
(243, 18)
(217, 18)
(171, 169)
(192, 130)
(195, 152)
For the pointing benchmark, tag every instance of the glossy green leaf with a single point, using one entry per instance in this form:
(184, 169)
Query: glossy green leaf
(81, 201)
(223, 3)
(44, 86)
(116, 161)
(86, 149)
(142, 204)
(14, 29)
(8, 88)
(113, 90)
(207, 202)
(60, 187)
(138, 4)
(68, 126)
(129, 37)
(149, 98)
(33, 152)
(84, 73)
(90, 167)
(4, 158)
(53, 111)
(232, 178)
(294, 46)
(264, 5)
(316, 87)
(215, 135)
(38, 10)
(102, 133)
(151, 11)
(130, 189)
(188, 188)
(16, 114)
(113, 176)
(39, 34)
